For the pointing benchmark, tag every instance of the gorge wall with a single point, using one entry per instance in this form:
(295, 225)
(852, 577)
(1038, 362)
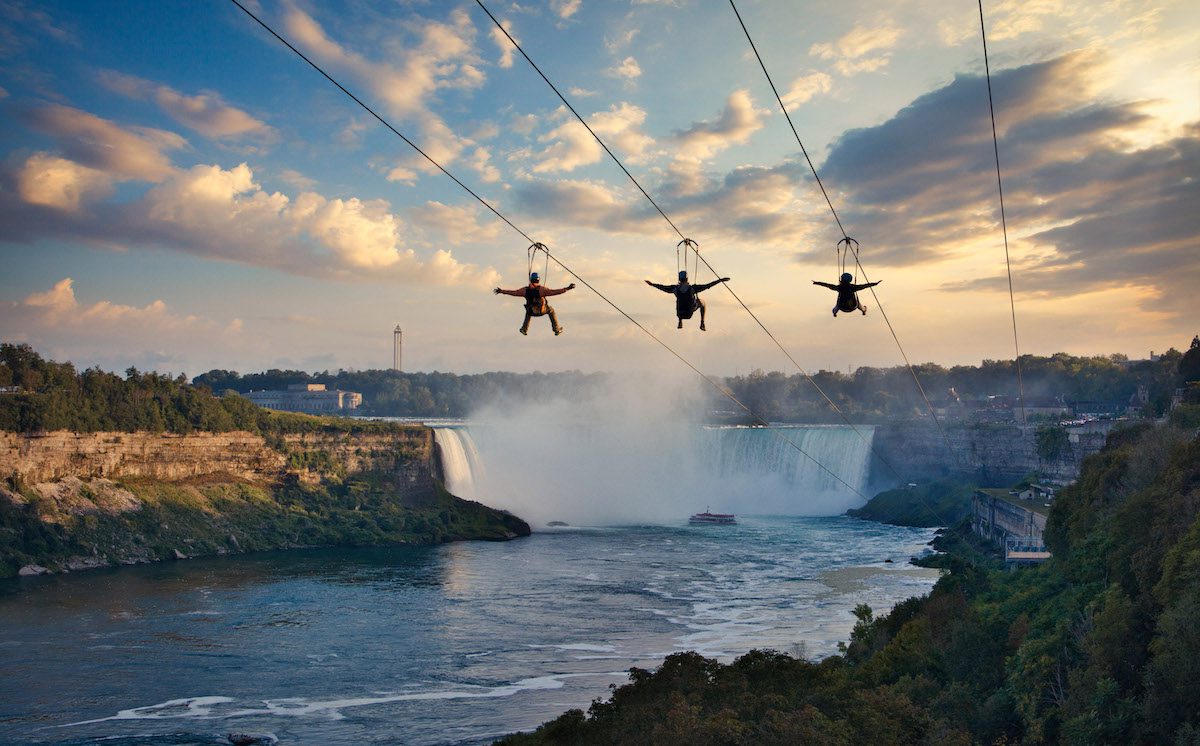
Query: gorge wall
(46, 457)
(988, 454)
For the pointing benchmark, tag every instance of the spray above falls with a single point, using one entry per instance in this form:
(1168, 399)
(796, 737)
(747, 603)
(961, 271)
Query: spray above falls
(595, 474)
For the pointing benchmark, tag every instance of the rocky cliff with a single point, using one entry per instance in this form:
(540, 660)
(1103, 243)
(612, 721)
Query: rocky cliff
(988, 454)
(74, 501)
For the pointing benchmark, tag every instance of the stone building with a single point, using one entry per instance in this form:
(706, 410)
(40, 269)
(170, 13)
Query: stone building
(309, 398)
(1011, 522)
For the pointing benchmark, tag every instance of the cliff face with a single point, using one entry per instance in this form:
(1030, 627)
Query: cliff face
(73, 501)
(989, 454)
(54, 456)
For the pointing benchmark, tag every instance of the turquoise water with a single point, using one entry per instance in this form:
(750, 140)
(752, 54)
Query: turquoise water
(423, 645)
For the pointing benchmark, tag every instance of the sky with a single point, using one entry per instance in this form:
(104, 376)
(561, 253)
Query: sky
(180, 192)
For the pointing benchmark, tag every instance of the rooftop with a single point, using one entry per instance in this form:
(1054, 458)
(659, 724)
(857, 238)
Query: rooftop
(1037, 506)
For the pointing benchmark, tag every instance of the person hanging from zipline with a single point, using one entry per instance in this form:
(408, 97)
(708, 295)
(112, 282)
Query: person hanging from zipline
(687, 297)
(535, 302)
(847, 291)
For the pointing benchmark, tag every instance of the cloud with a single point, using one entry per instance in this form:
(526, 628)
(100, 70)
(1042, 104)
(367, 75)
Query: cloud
(294, 178)
(626, 69)
(205, 113)
(503, 44)
(88, 140)
(60, 183)
(113, 334)
(736, 122)
(862, 49)
(441, 57)
(615, 44)
(457, 224)
(807, 87)
(1086, 209)
(58, 306)
(564, 9)
(222, 214)
(579, 203)
(572, 146)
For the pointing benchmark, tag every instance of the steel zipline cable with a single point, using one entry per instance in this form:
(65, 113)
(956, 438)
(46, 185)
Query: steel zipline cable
(853, 247)
(720, 389)
(675, 228)
(1012, 303)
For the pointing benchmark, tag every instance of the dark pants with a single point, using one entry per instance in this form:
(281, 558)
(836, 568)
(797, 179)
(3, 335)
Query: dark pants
(548, 312)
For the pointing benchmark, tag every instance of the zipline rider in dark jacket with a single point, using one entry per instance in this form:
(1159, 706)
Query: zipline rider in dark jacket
(847, 291)
(687, 297)
(535, 302)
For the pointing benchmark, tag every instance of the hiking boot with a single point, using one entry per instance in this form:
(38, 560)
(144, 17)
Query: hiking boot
(558, 331)
(524, 331)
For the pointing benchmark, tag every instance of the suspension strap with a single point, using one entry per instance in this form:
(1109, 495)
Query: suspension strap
(851, 246)
(531, 257)
(686, 244)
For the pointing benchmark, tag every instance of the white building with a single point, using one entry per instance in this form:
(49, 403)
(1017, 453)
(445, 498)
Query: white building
(309, 398)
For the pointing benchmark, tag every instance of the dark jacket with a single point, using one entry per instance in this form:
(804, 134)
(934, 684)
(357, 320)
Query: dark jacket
(686, 301)
(535, 295)
(847, 299)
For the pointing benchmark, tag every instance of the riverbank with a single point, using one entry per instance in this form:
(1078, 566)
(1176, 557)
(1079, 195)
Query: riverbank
(77, 501)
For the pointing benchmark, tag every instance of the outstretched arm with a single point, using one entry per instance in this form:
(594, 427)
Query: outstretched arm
(867, 285)
(664, 288)
(560, 291)
(825, 285)
(519, 291)
(706, 286)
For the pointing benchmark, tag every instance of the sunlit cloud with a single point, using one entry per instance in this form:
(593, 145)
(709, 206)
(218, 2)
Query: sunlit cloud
(626, 69)
(862, 49)
(154, 336)
(205, 113)
(456, 224)
(807, 87)
(736, 122)
(1085, 210)
(60, 183)
(504, 46)
(564, 9)
(134, 153)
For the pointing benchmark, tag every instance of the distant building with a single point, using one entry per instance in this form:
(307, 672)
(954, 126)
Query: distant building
(1036, 492)
(309, 398)
(10, 389)
(1010, 522)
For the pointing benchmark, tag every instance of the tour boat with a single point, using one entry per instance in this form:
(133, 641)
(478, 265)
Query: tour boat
(707, 517)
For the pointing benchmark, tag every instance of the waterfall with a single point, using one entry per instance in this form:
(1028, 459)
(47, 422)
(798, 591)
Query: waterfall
(461, 463)
(600, 473)
(776, 451)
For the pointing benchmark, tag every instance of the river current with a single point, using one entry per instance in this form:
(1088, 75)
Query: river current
(458, 643)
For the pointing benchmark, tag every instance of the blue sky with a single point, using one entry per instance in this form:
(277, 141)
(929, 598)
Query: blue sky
(180, 192)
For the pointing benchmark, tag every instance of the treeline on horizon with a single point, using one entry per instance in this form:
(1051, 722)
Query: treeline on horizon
(1098, 645)
(866, 393)
(51, 396)
(41, 395)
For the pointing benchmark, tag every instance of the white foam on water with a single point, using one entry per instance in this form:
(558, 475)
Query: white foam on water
(206, 708)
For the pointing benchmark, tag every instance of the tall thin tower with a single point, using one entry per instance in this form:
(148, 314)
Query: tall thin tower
(397, 340)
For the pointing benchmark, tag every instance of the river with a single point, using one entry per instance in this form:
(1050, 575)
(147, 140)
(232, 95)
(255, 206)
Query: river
(458, 643)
